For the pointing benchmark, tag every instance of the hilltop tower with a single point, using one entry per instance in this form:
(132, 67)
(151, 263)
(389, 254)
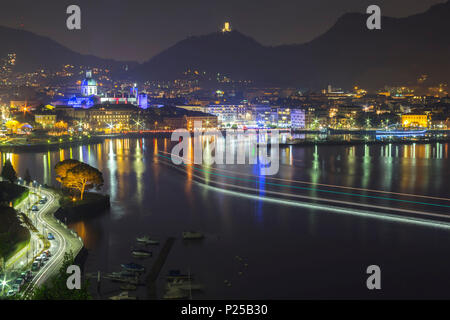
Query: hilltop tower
(226, 27)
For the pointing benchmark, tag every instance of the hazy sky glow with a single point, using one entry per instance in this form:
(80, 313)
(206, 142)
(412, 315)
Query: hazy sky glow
(139, 29)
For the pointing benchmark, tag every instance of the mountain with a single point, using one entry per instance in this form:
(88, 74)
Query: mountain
(34, 52)
(230, 53)
(347, 54)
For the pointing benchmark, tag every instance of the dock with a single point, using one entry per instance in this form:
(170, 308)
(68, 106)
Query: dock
(157, 266)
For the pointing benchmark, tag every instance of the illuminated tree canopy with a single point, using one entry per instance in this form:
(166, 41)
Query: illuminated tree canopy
(62, 167)
(77, 175)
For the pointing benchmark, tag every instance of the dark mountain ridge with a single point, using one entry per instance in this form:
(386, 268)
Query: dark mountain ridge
(346, 55)
(35, 52)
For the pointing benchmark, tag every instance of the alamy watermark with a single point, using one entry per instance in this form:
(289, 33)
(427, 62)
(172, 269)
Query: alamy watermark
(238, 146)
(374, 280)
(73, 21)
(74, 280)
(374, 21)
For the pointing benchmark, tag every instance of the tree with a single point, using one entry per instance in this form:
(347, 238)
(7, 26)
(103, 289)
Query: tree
(12, 125)
(8, 172)
(61, 125)
(83, 177)
(27, 177)
(62, 167)
(56, 288)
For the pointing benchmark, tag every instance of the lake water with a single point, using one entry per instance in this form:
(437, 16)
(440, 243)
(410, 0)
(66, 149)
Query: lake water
(286, 247)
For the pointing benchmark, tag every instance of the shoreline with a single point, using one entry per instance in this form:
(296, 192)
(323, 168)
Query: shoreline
(362, 142)
(50, 146)
(295, 142)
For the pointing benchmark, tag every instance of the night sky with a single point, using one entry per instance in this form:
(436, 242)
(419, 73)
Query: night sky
(139, 29)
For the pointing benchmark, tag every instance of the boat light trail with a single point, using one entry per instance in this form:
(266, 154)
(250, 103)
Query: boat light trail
(315, 189)
(325, 185)
(348, 211)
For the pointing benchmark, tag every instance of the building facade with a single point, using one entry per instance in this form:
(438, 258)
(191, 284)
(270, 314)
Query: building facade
(46, 121)
(415, 120)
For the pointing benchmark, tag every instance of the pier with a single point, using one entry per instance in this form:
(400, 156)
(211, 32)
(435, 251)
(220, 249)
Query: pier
(156, 269)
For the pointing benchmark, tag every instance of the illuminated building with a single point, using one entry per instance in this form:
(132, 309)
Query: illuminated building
(198, 108)
(89, 85)
(228, 114)
(298, 119)
(88, 96)
(415, 120)
(117, 116)
(226, 27)
(133, 98)
(261, 115)
(207, 121)
(188, 122)
(280, 117)
(46, 121)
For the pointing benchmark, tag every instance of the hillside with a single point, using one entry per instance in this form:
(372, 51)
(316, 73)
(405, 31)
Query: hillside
(35, 52)
(345, 55)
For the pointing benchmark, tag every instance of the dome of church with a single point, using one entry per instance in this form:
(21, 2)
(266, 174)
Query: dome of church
(89, 82)
(88, 85)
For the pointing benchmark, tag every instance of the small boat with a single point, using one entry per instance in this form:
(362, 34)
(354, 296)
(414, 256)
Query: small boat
(185, 285)
(134, 267)
(192, 235)
(128, 287)
(123, 296)
(401, 132)
(141, 253)
(176, 275)
(146, 240)
(123, 274)
(124, 279)
(174, 293)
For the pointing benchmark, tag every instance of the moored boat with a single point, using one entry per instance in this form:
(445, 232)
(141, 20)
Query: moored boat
(187, 285)
(192, 235)
(141, 253)
(174, 293)
(177, 275)
(146, 240)
(401, 132)
(128, 287)
(123, 296)
(134, 267)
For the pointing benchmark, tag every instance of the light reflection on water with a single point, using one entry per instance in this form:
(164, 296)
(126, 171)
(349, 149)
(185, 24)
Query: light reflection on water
(147, 197)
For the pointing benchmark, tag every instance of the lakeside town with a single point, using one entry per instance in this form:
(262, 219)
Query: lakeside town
(91, 106)
(46, 107)
(97, 201)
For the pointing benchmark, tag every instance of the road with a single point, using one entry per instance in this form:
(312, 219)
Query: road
(25, 256)
(65, 240)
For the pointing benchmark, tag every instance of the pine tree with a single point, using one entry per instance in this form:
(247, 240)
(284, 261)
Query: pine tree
(8, 172)
(27, 177)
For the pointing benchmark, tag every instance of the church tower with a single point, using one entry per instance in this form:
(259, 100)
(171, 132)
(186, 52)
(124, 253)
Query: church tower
(226, 27)
(89, 85)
